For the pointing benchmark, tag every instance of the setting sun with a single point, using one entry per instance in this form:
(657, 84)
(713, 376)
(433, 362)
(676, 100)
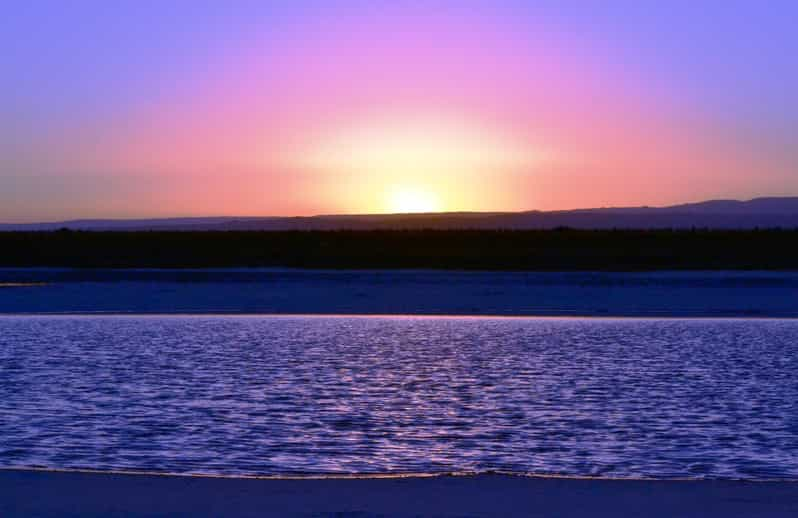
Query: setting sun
(409, 200)
(403, 163)
(344, 249)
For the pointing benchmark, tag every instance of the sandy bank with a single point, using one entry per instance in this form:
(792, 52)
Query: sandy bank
(35, 493)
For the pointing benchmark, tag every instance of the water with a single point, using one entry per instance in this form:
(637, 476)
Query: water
(269, 395)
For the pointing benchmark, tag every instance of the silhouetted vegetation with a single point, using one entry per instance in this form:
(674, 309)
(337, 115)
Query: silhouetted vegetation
(563, 249)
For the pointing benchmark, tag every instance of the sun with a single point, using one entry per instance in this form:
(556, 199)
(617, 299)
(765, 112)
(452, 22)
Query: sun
(405, 200)
(406, 163)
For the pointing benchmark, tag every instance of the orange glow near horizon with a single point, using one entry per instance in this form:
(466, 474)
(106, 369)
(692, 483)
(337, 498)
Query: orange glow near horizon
(399, 107)
(404, 200)
(411, 164)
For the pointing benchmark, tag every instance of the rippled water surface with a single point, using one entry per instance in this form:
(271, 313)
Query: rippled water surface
(289, 395)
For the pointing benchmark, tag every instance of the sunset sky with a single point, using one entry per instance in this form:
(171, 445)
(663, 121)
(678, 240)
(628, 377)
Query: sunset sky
(193, 108)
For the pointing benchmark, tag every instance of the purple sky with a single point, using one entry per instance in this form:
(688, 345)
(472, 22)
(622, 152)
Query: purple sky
(133, 109)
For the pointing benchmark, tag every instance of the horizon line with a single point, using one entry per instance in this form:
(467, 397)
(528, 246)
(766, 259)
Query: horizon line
(387, 214)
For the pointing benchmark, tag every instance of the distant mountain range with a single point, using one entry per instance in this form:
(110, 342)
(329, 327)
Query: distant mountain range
(719, 214)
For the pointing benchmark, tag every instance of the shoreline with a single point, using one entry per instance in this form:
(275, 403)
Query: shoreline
(81, 493)
(716, 294)
(385, 476)
(464, 316)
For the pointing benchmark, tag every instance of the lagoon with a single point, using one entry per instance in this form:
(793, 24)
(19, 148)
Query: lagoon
(301, 395)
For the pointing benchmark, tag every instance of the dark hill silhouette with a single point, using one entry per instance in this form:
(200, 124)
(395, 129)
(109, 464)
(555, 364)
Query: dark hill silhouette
(715, 214)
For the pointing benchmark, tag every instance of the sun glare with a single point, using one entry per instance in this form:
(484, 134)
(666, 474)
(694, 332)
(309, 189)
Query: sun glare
(402, 200)
(405, 164)
(414, 146)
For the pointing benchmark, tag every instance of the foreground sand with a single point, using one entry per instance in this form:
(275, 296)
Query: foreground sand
(36, 493)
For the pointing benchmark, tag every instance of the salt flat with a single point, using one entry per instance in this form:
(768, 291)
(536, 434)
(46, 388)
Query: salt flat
(731, 293)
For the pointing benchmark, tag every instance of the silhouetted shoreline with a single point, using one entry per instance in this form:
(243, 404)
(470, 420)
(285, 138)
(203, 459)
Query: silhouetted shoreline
(513, 250)
(772, 212)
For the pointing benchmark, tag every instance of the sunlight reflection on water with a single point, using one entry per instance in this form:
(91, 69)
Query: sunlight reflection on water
(280, 395)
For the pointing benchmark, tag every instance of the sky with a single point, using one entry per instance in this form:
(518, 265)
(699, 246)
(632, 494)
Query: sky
(197, 108)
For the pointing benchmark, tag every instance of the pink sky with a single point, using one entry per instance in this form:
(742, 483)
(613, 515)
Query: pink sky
(334, 114)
